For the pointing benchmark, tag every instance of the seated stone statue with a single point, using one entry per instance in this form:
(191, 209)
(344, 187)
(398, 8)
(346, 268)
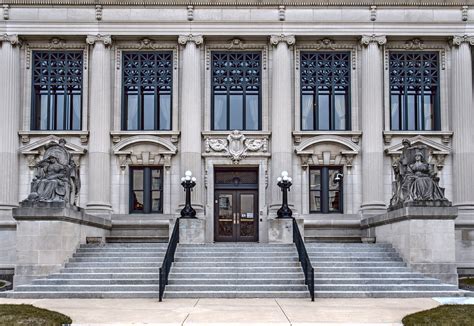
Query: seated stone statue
(415, 179)
(56, 178)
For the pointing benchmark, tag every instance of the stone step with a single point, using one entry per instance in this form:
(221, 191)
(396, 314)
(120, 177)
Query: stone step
(124, 251)
(136, 239)
(81, 288)
(105, 275)
(235, 287)
(238, 245)
(347, 245)
(317, 260)
(236, 294)
(104, 281)
(99, 259)
(159, 255)
(373, 275)
(348, 264)
(386, 294)
(109, 270)
(82, 295)
(360, 280)
(204, 270)
(356, 269)
(141, 264)
(230, 253)
(384, 287)
(234, 275)
(126, 245)
(337, 254)
(232, 264)
(236, 259)
(235, 281)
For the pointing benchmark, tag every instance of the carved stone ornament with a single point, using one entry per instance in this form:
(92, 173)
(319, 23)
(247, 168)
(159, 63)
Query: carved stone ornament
(98, 12)
(92, 39)
(416, 182)
(6, 12)
(56, 43)
(414, 44)
(281, 13)
(377, 39)
(190, 13)
(236, 145)
(288, 39)
(13, 39)
(184, 39)
(465, 13)
(57, 177)
(373, 13)
(460, 39)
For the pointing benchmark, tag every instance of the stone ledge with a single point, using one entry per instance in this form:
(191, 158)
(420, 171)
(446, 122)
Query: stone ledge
(410, 213)
(59, 212)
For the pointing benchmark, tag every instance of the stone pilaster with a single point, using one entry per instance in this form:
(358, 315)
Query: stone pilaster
(372, 125)
(281, 113)
(191, 114)
(10, 93)
(462, 114)
(99, 198)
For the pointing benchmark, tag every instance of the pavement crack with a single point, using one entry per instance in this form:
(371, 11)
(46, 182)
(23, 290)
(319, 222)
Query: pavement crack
(283, 311)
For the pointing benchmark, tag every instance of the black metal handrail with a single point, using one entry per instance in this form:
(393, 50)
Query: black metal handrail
(169, 258)
(304, 259)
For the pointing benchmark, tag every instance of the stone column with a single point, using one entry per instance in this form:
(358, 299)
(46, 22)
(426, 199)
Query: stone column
(462, 114)
(10, 93)
(191, 114)
(372, 125)
(100, 104)
(281, 114)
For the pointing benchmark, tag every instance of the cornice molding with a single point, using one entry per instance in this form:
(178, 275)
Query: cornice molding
(249, 3)
(288, 39)
(13, 39)
(377, 39)
(92, 39)
(460, 39)
(198, 39)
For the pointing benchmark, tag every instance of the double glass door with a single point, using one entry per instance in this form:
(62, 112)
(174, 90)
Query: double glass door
(236, 215)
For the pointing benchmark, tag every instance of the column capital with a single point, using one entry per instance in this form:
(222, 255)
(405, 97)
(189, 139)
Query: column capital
(198, 39)
(288, 39)
(377, 39)
(92, 39)
(13, 39)
(459, 39)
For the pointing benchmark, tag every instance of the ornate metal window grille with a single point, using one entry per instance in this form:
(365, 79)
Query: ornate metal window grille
(57, 90)
(325, 90)
(147, 83)
(146, 190)
(414, 90)
(325, 194)
(236, 91)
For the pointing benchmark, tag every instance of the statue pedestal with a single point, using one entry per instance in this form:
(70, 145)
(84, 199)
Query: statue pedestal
(192, 230)
(48, 234)
(280, 230)
(423, 236)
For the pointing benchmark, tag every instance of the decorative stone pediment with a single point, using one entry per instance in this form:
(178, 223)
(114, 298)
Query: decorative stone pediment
(144, 150)
(438, 152)
(35, 151)
(327, 150)
(236, 146)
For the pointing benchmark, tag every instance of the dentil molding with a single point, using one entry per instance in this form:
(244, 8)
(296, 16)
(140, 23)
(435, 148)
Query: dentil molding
(196, 38)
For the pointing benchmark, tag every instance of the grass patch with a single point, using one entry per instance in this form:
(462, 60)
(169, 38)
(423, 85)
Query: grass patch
(27, 315)
(449, 315)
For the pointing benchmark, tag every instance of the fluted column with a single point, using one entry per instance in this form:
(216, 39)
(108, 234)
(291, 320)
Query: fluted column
(462, 113)
(191, 114)
(10, 90)
(372, 124)
(281, 112)
(100, 107)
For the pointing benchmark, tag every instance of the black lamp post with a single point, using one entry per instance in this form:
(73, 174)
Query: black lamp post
(284, 182)
(188, 182)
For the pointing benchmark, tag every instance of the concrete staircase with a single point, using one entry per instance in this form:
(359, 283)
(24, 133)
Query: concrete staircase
(353, 270)
(113, 270)
(236, 270)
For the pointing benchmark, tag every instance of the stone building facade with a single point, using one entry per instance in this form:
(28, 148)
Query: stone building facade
(237, 92)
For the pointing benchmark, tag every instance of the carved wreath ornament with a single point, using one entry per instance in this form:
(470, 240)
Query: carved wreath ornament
(236, 145)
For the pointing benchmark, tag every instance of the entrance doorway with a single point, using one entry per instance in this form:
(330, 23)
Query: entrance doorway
(236, 205)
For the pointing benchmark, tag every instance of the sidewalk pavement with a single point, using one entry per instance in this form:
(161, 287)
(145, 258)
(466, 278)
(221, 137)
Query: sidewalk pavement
(233, 312)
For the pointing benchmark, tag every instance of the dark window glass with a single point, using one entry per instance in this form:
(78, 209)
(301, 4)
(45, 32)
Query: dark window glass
(325, 90)
(57, 90)
(414, 91)
(325, 193)
(147, 86)
(236, 85)
(146, 190)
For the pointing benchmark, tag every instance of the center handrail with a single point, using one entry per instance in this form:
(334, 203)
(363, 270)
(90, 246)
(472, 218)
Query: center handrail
(168, 259)
(304, 259)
